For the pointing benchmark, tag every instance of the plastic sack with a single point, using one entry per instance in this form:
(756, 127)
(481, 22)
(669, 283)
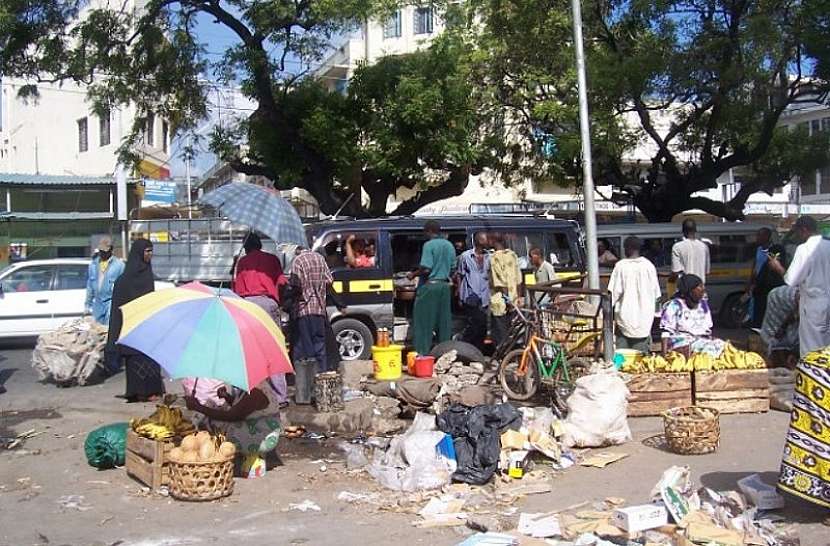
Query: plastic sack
(597, 412)
(355, 455)
(412, 462)
(476, 436)
(105, 446)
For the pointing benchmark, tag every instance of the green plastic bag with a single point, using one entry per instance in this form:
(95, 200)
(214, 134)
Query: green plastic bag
(105, 446)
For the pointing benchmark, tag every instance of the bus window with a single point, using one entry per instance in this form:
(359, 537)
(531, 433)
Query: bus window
(731, 249)
(364, 244)
(558, 250)
(658, 250)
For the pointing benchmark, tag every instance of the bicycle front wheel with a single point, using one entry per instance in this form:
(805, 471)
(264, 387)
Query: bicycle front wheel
(518, 386)
(562, 386)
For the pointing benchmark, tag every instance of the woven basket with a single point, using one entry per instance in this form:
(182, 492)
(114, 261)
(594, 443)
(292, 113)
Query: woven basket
(692, 430)
(201, 481)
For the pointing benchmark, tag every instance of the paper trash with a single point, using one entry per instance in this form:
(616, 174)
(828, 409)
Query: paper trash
(539, 525)
(762, 495)
(634, 519)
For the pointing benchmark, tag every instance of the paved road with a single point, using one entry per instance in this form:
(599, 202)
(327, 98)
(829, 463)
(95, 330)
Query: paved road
(48, 468)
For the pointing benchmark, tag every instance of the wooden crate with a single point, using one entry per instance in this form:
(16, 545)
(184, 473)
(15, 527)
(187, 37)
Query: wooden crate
(733, 391)
(654, 393)
(146, 460)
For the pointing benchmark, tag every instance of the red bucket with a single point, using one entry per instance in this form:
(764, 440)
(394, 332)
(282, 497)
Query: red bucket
(424, 366)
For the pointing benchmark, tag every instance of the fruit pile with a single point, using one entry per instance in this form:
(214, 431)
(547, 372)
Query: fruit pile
(203, 448)
(164, 424)
(730, 359)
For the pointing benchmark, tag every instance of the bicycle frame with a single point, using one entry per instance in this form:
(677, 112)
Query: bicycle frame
(547, 365)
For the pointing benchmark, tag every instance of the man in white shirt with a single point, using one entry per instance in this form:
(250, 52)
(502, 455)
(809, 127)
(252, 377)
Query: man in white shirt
(634, 293)
(689, 256)
(809, 272)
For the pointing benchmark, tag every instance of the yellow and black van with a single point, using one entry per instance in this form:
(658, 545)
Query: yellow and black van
(377, 295)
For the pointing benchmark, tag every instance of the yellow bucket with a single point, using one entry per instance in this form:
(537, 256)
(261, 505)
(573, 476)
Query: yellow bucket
(387, 362)
(630, 356)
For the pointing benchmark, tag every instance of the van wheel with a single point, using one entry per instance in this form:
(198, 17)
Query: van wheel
(733, 312)
(354, 339)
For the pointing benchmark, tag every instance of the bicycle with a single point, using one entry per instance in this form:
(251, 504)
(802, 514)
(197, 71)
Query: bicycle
(544, 361)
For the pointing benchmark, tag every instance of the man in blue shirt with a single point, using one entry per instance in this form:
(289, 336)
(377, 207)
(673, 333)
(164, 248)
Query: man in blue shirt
(474, 289)
(432, 314)
(104, 270)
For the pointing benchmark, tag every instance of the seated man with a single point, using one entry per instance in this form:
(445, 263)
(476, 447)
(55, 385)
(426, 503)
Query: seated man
(358, 254)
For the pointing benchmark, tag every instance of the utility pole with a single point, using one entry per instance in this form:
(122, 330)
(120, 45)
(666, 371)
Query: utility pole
(585, 132)
(187, 177)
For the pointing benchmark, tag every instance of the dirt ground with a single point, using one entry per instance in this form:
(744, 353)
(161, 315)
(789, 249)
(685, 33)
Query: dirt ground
(49, 495)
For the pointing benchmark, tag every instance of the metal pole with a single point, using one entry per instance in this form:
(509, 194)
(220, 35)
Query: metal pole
(585, 131)
(187, 176)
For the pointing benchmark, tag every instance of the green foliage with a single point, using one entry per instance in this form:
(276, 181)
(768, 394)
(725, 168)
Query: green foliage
(702, 84)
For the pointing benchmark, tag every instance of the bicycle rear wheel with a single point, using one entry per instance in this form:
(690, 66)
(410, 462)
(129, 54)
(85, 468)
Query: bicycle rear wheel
(518, 386)
(562, 387)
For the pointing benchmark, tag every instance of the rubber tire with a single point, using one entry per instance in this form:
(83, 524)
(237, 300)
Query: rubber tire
(533, 372)
(578, 367)
(362, 329)
(726, 317)
(466, 352)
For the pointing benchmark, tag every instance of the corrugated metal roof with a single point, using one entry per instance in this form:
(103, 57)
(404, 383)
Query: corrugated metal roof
(54, 180)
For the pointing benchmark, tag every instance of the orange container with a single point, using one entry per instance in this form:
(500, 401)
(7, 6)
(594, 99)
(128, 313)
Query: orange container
(410, 362)
(424, 366)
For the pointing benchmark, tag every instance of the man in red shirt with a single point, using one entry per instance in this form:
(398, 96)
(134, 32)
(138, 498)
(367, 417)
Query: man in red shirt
(258, 279)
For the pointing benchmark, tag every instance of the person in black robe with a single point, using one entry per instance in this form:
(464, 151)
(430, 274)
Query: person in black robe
(144, 381)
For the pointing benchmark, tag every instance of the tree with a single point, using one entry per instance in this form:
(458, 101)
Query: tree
(406, 123)
(702, 84)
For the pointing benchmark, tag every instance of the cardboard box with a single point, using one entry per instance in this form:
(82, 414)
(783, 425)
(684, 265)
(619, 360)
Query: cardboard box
(761, 494)
(634, 519)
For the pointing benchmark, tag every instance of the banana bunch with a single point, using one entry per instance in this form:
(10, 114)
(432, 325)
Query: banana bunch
(151, 430)
(735, 359)
(673, 362)
(702, 362)
(163, 424)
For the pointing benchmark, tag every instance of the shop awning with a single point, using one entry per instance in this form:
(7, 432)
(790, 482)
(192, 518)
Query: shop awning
(54, 180)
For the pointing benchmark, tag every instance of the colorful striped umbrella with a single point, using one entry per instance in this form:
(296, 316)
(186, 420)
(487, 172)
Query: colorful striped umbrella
(260, 208)
(195, 331)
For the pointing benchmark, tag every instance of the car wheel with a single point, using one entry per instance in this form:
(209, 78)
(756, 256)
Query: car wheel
(354, 339)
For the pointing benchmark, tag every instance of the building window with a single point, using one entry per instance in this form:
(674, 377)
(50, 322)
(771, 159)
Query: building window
(808, 185)
(815, 126)
(104, 128)
(423, 20)
(824, 177)
(83, 135)
(825, 124)
(150, 130)
(165, 135)
(392, 27)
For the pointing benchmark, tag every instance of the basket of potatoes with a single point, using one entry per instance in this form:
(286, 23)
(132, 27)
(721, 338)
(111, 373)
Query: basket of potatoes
(201, 468)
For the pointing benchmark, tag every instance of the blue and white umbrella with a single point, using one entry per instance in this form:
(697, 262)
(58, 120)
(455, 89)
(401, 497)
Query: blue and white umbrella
(260, 208)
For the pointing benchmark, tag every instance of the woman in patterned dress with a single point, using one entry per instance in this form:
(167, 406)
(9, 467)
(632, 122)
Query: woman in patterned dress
(686, 321)
(251, 420)
(805, 467)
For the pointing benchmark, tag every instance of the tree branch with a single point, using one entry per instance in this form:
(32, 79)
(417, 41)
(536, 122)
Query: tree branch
(454, 185)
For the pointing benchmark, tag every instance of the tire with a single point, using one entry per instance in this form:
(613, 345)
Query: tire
(562, 389)
(465, 352)
(733, 312)
(354, 339)
(518, 387)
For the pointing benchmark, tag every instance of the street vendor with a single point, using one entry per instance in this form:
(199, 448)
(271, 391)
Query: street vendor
(251, 420)
(686, 321)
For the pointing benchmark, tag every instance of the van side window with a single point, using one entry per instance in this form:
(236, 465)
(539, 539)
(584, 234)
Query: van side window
(658, 250)
(731, 249)
(406, 247)
(558, 251)
(521, 242)
(334, 249)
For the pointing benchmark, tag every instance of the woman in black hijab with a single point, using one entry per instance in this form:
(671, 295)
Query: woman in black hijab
(144, 382)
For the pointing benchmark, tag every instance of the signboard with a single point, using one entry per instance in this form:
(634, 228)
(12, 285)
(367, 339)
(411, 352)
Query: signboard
(159, 192)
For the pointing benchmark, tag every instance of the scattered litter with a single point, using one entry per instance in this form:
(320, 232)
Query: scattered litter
(11, 442)
(304, 506)
(539, 525)
(74, 502)
(634, 519)
(490, 539)
(441, 506)
(761, 494)
(348, 496)
(601, 460)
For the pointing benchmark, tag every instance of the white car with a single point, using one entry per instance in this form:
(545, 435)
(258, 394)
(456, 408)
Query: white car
(38, 296)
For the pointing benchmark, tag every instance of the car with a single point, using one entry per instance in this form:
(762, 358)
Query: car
(38, 296)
